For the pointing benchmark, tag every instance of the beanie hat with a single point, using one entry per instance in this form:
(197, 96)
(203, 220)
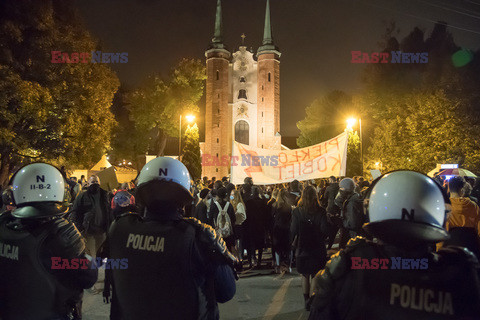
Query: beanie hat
(347, 184)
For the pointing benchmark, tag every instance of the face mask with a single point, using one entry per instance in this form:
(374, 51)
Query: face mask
(232, 197)
(94, 188)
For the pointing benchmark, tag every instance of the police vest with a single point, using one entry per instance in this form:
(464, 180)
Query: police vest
(159, 281)
(440, 286)
(27, 290)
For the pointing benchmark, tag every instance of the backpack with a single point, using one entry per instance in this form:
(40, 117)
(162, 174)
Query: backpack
(223, 223)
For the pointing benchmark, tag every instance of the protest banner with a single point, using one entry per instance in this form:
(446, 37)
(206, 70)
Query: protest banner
(267, 166)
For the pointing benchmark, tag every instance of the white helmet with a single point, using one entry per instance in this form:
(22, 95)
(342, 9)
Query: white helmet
(39, 190)
(405, 207)
(168, 170)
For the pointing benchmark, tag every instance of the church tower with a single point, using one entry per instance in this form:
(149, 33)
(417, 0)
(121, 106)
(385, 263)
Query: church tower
(218, 115)
(268, 88)
(242, 98)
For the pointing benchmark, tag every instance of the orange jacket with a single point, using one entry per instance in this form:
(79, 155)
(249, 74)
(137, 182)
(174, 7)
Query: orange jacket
(465, 213)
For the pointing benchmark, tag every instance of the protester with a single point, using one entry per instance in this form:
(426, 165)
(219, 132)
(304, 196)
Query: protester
(32, 285)
(180, 268)
(294, 194)
(351, 205)
(91, 214)
(308, 232)
(122, 201)
(255, 227)
(201, 209)
(400, 277)
(463, 224)
(240, 216)
(282, 216)
(223, 215)
(334, 214)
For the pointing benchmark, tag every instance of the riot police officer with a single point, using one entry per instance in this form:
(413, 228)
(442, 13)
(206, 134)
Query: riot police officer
(43, 269)
(400, 276)
(178, 268)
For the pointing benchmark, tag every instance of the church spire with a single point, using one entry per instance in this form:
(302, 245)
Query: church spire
(267, 43)
(217, 41)
(267, 31)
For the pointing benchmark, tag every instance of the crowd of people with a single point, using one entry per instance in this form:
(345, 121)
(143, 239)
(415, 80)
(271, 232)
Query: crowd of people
(297, 222)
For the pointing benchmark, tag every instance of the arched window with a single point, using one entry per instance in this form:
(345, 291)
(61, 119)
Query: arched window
(269, 77)
(242, 79)
(242, 94)
(218, 75)
(242, 132)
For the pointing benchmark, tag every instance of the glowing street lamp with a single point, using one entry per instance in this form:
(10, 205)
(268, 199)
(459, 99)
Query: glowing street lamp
(190, 118)
(350, 123)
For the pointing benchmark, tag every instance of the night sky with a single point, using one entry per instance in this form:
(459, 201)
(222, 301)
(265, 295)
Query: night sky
(314, 36)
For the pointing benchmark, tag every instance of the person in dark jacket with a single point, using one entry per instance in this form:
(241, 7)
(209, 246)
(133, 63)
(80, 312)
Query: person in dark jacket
(201, 209)
(294, 194)
(255, 227)
(91, 214)
(351, 204)
(308, 231)
(334, 214)
(282, 217)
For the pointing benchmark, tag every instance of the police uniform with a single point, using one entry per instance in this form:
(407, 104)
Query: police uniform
(30, 287)
(447, 289)
(172, 261)
(400, 277)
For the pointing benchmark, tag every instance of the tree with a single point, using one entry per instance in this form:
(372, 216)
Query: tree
(191, 157)
(423, 114)
(53, 112)
(325, 118)
(354, 159)
(158, 103)
(425, 129)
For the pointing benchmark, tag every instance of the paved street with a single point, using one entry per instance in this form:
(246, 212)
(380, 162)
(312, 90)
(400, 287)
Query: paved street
(260, 295)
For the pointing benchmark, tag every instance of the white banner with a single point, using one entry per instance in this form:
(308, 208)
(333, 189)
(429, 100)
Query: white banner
(265, 166)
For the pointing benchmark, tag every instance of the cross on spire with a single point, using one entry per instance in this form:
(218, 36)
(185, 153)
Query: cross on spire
(243, 36)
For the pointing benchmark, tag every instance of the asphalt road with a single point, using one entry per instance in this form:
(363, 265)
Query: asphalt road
(260, 295)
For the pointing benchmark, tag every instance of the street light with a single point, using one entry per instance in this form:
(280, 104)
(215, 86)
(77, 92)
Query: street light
(350, 123)
(190, 118)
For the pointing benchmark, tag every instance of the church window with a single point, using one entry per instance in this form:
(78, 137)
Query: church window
(262, 129)
(217, 140)
(242, 132)
(262, 146)
(218, 95)
(269, 77)
(242, 94)
(217, 155)
(242, 79)
(262, 114)
(262, 99)
(216, 169)
(218, 111)
(218, 75)
(262, 86)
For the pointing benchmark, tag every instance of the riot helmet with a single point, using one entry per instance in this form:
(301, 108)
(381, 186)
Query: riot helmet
(406, 207)
(164, 180)
(39, 190)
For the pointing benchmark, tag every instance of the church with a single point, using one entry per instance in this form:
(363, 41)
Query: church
(242, 97)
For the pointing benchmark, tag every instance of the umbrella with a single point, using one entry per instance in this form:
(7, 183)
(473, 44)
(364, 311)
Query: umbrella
(457, 172)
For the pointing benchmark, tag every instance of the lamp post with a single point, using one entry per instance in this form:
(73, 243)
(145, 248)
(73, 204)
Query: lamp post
(190, 119)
